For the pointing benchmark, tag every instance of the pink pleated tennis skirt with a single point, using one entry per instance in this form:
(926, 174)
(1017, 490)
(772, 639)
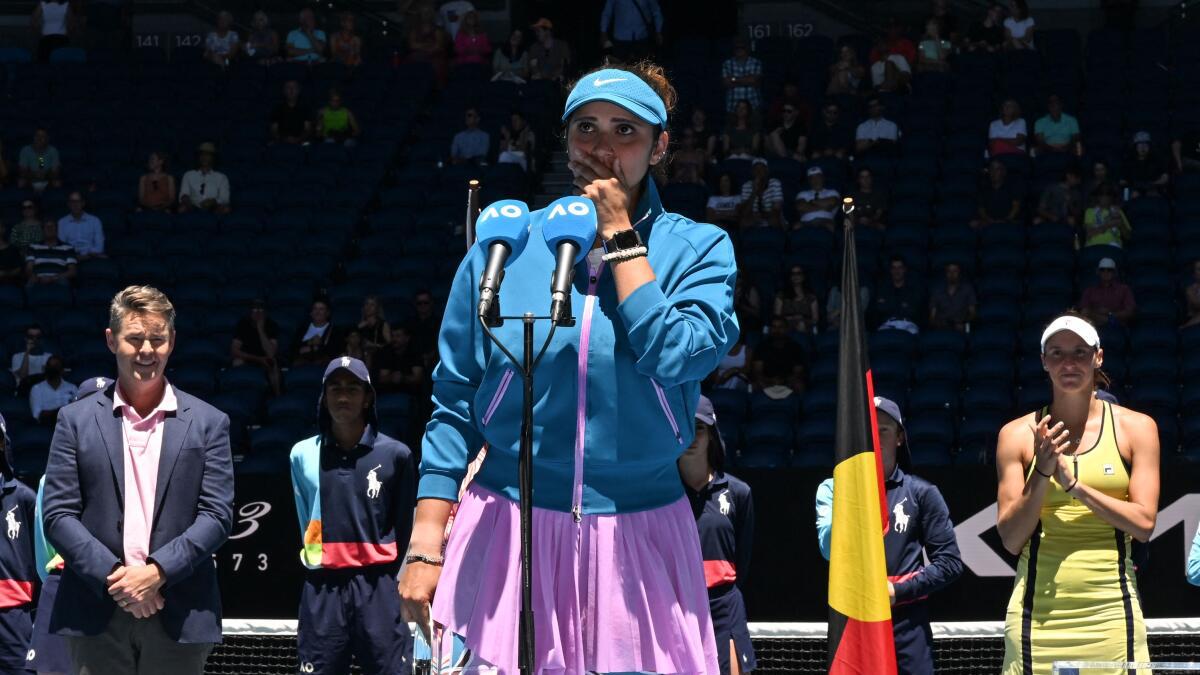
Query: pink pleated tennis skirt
(612, 593)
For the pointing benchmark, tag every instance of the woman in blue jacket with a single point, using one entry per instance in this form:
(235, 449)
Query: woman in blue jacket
(618, 580)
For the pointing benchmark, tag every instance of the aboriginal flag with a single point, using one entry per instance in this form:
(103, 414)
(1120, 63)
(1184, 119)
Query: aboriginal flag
(860, 615)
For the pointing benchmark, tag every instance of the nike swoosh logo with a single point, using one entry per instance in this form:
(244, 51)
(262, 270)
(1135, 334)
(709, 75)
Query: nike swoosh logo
(600, 83)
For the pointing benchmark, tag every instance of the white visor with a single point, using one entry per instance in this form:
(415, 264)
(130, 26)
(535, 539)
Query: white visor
(1074, 324)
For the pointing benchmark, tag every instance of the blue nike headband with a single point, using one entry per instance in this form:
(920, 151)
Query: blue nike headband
(619, 87)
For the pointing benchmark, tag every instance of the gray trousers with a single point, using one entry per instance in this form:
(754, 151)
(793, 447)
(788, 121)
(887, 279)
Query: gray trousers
(132, 646)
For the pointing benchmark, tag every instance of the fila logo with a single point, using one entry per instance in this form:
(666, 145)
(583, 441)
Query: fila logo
(14, 526)
(579, 208)
(600, 83)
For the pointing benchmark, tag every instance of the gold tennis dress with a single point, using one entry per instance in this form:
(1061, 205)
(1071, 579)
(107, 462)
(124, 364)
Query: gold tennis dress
(1075, 597)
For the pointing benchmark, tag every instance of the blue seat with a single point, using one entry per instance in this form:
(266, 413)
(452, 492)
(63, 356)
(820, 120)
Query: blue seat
(942, 341)
(933, 397)
(293, 407)
(394, 405)
(195, 380)
(242, 379)
(304, 378)
(768, 445)
(946, 368)
(276, 440)
(731, 405)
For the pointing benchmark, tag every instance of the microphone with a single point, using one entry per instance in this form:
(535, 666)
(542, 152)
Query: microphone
(503, 229)
(570, 231)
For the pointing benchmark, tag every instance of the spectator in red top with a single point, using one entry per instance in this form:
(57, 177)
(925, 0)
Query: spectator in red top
(471, 44)
(894, 42)
(1110, 301)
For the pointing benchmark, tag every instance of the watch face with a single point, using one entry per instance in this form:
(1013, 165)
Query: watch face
(627, 239)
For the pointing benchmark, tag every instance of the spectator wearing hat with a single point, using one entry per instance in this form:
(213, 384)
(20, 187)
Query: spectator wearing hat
(52, 393)
(292, 121)
(724, 510)
(762, 198)
(876, 135)
(1109, 302)
(81, 230)
(919, 526)
(1145, 172)
(52, 261)
(1007, 134)
(952, 305)
(1062, 202)
(1105, 223)
(470, 146)
(306, 44)
(831, 136)
(451, 15)
(18, 561)
(256, 343)
(741, 75)
(549, 56)
(631, 28)
(39, 163)
(870, 203)
(817, 206)
(28, 230)
(204, 187)
(1056, 131)
(999, 202)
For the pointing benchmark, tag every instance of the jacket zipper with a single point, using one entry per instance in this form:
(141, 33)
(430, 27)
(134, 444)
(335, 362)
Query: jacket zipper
(498, 396)
(585, 336)
(666, 407)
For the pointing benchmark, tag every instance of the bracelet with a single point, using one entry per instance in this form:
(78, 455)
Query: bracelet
(1073, 484)
(1039, 471)
(422, 558)
(625, 254)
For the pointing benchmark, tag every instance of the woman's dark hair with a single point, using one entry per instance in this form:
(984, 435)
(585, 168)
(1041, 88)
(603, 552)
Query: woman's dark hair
(1022, 9)
(733, 189)
(787, 291)
(1103, 381)
(715, 450)
(655, 76)
(507, 49)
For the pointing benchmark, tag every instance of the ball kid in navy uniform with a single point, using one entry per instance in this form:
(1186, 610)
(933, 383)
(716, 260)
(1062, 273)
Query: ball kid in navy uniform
(48, 654)
(919, 521)
(724, 513)
(17, 567)
(355, 494)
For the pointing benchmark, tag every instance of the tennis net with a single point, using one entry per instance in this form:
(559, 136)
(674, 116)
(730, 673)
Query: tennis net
(960, 648)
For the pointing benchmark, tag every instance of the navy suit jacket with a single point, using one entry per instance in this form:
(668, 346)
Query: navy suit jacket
(84, 507)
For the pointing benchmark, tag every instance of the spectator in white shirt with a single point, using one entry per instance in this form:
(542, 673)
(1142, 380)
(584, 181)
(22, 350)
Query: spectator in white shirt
(1007, 133)
(50, 394)
(818, 204)
(203, 187)
(32, 361)
(876, 135)
(221, 46)
(81, 230)
(1019, 26)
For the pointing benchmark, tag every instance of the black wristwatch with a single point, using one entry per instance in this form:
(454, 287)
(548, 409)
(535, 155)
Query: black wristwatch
(623, 240)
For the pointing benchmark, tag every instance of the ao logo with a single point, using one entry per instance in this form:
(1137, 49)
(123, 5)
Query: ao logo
(307, 667)
(31, 655)
(579, 208)
(508, 211)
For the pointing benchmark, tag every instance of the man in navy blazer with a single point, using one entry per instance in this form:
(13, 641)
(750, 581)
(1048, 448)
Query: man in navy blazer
(138, 497)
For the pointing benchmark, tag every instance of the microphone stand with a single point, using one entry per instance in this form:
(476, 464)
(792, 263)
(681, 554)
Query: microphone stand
(527, 365)
(472, 211)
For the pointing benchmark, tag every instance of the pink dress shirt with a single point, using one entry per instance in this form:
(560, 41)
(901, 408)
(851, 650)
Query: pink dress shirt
(142, 439)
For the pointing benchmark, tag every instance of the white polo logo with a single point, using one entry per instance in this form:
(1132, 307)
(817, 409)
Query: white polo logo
(579, 208)
(600, 83)
(14, 526)
(723, 500)
(373, 483)
(901, 516)
(345, 361)
(99, 383)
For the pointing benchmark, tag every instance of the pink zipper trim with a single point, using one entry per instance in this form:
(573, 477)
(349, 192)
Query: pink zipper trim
(499, 396)
(585, 337)
(662, 400)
